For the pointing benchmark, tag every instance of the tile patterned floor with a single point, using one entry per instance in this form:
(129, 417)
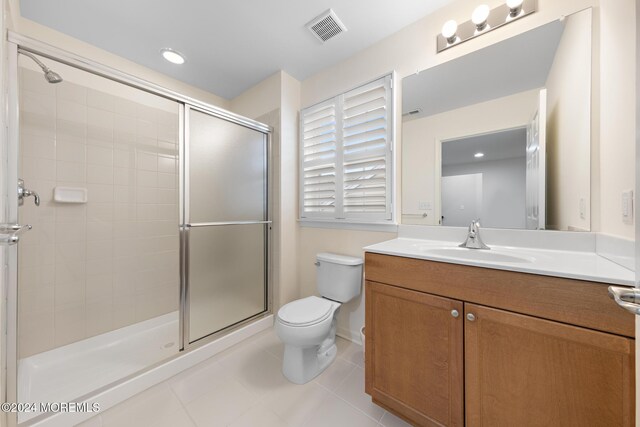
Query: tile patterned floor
(244, 387)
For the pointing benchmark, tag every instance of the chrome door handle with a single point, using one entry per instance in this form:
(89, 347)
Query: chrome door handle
(25, 192)
(10, 233)
(627, 298)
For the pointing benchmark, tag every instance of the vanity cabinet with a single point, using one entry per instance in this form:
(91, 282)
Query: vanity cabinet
(418, 354)
(453, 345)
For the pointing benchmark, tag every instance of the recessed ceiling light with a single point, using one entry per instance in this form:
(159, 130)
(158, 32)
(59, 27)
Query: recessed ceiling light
(478, 155)
(172, 56)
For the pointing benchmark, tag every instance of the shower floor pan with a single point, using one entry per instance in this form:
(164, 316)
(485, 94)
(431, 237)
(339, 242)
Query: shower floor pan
(66, 373)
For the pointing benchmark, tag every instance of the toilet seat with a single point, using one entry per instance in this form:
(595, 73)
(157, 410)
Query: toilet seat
(306, 311)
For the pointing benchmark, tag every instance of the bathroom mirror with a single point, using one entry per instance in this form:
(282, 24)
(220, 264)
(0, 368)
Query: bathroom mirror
(503, 134)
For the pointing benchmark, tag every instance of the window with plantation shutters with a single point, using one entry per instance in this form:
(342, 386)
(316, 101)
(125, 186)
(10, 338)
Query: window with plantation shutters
(346, 156)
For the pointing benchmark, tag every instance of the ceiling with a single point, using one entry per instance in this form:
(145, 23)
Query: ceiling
(512, 66)
(229, 45)
(501, 145)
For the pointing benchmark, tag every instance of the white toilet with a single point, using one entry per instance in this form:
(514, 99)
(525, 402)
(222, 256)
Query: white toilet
(307, 326)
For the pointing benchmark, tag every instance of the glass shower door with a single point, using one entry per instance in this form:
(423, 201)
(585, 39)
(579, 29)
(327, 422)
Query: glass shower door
(226, 224)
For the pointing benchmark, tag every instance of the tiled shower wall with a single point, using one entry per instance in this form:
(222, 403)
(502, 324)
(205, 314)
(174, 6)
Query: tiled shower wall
(86, 269)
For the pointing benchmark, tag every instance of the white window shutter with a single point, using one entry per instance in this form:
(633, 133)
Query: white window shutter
(366, 148)
(346, 156)
(318, 163)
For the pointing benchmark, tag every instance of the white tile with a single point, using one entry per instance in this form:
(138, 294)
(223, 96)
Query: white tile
(352, 390)
(71, 111)
(350, 351)
(198, 381)
(70, 171)
(70, 150)
(337, 413)
(260, 415)
(147, 161)
(98, 155)
(296, 403)
(100, 100)
(69, 323)
(226, 401)
(38, 146)
(390, 420)
(259, 371)
(157, 407)
(335, 374)
(99, 124)
(71, 92)
(97, 174)
(269, 341)
(91, 422)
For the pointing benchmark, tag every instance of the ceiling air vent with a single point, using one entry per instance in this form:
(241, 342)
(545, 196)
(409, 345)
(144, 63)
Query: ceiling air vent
(326, 26)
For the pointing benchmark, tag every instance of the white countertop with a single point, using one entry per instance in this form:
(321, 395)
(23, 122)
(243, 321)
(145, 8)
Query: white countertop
(581, 265)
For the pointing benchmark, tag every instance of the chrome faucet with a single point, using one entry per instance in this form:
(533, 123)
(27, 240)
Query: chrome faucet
(473, 240)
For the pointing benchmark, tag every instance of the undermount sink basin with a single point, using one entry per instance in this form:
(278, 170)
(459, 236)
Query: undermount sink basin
(490, 255)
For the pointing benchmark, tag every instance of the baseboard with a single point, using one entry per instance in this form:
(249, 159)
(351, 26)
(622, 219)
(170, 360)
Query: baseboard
(353, 336)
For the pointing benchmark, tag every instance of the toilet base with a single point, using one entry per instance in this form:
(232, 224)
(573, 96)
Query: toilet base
(301, 365)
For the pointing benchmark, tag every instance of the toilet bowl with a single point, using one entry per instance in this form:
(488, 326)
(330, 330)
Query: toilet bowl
(307, 326)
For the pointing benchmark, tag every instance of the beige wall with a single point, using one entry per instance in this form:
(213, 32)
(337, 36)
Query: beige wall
(70, 44)
(421, 138)
(569, 128)
(414, 48)
(617, 113)
(276, 100)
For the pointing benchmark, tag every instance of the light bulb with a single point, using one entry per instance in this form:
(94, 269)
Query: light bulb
(449, 30)
(480, 16)
(515, 7)
(172, 56)
(478, 155)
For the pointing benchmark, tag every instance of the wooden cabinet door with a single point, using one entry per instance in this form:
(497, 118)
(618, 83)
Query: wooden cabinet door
(414, 354)
(525, 371)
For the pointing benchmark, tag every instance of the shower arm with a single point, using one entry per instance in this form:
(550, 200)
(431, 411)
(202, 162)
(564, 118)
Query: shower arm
(35, 59)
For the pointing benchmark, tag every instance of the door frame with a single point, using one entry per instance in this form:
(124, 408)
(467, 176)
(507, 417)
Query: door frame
(438, 162)
(8, 181)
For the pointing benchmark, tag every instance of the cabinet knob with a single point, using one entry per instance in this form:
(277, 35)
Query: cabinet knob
(455, 313)
(471, 317)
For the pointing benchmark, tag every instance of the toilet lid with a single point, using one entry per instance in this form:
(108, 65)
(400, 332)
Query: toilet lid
(306, 311)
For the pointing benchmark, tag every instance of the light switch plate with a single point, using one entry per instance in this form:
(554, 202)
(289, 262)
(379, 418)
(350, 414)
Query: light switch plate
(424, 206)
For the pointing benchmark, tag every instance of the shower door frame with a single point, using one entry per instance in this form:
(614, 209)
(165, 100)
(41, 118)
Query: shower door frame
(9, 214)
(185, 226)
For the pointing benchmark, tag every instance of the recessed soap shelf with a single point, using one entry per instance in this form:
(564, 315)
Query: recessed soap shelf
(70, 195)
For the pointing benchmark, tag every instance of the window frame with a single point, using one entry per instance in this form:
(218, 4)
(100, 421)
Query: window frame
(355, 220)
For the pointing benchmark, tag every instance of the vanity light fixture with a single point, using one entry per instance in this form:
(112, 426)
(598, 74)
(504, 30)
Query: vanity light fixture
(449, 31)
(172, 56)
(478, 155)
(479, 18)
(483, 20)
(515, 8)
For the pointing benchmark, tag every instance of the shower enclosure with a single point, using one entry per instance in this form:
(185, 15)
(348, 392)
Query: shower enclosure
(150, 235)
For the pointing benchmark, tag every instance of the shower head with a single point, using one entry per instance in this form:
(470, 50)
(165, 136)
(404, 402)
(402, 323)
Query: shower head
(49, 75)
(52, 76)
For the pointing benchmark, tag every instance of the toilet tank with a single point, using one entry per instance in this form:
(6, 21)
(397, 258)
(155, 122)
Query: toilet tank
(338, 277)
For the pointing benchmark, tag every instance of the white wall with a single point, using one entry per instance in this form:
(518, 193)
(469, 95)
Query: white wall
(420, 137)
(503, 190)
(569, 128)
